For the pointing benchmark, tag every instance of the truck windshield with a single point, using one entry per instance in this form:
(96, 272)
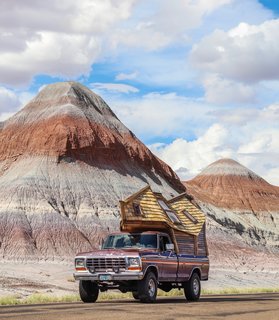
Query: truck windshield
(135, 240)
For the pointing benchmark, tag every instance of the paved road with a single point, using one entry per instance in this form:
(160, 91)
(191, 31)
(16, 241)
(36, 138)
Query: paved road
(244, 307)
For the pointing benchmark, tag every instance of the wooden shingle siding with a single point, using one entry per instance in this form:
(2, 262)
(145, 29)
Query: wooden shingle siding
(202, 242)
(180, 204)
(185, 243)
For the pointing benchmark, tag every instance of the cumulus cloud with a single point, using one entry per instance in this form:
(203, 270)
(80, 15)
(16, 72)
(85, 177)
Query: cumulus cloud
(253, 143)
(190, 157)
(64, 38)
(152, 31)
(247, 53)
(61, 38)
(9, 101)
(223, 91)
(161, 114)
(272, 175)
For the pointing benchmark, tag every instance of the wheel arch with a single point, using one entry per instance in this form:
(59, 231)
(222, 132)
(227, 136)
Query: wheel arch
(152, 268)
(196, 270)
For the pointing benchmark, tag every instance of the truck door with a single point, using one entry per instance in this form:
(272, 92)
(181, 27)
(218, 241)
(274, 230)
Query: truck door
(168, 259)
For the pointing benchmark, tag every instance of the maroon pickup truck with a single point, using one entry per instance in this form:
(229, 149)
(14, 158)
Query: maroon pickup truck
(139, 263)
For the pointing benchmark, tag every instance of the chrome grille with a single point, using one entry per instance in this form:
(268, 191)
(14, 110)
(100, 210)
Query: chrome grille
(103, 264)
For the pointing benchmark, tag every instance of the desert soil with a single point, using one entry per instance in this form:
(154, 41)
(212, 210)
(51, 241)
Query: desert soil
(23, 279)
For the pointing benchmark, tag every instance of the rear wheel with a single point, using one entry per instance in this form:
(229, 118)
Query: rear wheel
(135, 295)
(192, 288)
(88, 291)
(147, 288)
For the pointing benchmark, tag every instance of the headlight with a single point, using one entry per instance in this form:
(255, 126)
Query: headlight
(80, 263)
(133, 261)
(134, 264)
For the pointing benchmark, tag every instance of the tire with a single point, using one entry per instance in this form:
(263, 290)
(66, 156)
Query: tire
(147, 288)
(88, 291)
(135, 295)
(192, 288)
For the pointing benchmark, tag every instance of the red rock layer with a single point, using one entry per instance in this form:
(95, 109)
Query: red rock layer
(237, 188)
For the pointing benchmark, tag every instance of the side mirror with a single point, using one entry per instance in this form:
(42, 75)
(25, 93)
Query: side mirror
(169, 246)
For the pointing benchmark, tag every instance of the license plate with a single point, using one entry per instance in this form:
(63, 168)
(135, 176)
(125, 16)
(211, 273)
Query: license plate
(105, 277)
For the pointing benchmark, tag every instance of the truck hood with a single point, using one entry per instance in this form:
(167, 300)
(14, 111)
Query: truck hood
(114, 252)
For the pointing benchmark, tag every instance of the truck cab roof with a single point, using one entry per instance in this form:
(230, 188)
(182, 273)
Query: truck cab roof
(140, 232)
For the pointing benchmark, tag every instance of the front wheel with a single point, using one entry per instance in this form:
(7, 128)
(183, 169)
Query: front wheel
(192, 288)
(88, 291)
(135, 295)
(147, 288)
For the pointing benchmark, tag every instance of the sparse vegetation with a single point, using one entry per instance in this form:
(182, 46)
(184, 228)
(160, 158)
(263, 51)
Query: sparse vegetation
(36, 298)
(239, 291)
(9, 300)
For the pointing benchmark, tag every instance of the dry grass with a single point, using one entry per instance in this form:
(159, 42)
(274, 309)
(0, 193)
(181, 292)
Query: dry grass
(239, 291)
(9, 300)
(37, 298)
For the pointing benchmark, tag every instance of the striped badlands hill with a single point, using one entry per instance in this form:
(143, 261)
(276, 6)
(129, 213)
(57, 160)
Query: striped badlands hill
(227, 184)
(65, 161)
(243, 211)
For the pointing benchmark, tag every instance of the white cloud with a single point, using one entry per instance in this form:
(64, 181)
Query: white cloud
(84, 16)
(126, 76)
(64, 38)
(222, 91)
(271, 112)
(52, 54)
(167, 65)
(4, 116)
(152, 31)
(193, 156)
(272, 175)
(264, 164)
(253, 143)
(247, 53)
(161, 114)
(114, 87)
(9, 101)
(258, 144)
(59, 38)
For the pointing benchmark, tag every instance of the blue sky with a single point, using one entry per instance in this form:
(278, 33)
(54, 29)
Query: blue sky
(195, 80)
(271, 4)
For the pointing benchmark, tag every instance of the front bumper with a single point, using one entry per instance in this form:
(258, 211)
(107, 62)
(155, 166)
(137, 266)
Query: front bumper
(121, 276)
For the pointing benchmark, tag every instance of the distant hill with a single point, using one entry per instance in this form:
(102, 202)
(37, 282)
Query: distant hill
(243, 211)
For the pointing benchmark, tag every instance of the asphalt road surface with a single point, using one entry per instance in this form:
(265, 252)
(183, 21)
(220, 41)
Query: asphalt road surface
(244, 307)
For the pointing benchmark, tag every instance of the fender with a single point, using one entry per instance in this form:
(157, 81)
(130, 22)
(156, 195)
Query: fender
(194, 269)
(149, 267)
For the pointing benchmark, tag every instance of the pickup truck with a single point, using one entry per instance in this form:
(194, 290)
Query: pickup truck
(139, 263)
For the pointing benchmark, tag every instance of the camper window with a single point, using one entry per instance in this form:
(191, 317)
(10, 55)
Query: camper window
(137, 209)
(172, 216)
(190, 217)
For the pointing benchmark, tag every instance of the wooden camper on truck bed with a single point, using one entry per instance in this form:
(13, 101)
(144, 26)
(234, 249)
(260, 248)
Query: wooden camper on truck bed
(179, 217)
